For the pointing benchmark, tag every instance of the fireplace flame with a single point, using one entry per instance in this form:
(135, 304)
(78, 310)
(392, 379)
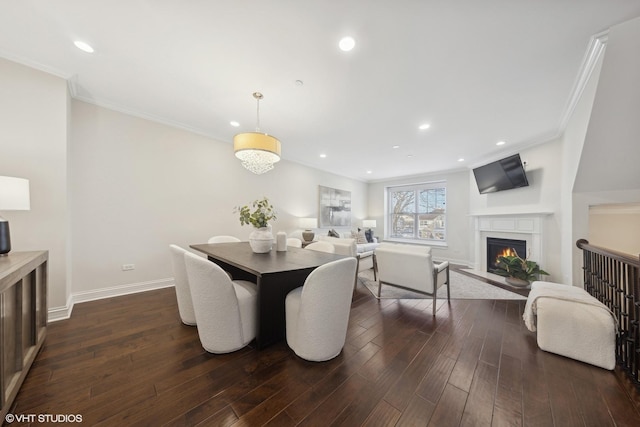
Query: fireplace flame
(506, 252)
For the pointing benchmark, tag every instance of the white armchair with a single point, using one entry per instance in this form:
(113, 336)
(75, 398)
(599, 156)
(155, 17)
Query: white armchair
(226, 310)
(183, 294)
(317, 314)
(411, 267)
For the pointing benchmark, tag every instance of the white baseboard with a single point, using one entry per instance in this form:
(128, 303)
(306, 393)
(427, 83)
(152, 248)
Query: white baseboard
(61, 313)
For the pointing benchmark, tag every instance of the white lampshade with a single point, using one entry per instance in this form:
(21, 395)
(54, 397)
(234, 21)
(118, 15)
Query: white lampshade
(368, 223)
(308, 223)
(14, 194)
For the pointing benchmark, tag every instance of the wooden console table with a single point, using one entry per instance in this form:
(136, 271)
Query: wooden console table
(23, 319)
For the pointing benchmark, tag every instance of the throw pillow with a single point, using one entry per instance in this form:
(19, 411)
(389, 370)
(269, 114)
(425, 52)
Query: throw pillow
(359, 236)
(369, 235)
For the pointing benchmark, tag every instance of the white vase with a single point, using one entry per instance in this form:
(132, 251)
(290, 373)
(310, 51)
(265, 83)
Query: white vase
(261, 240)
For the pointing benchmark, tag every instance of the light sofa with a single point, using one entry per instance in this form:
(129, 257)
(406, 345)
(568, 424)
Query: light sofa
(347, 245)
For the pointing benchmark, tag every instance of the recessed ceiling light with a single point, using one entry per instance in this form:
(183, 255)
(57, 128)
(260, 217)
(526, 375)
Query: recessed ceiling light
(396, 146)
(369, 171)
(234, 123)
(500, 143)
(409, 155)
(85, 47)
(299, 83)
(346, 44)
(323, 156)
(424, 126)
(461, 159)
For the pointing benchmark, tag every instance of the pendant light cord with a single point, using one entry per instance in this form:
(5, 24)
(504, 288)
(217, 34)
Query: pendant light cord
(258, 96)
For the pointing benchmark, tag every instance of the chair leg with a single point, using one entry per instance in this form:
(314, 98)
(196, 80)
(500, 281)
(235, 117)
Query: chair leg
(379, 287)
(435, 289)
(375, 267)
(448, 286)
(355, 279)
(435, 292)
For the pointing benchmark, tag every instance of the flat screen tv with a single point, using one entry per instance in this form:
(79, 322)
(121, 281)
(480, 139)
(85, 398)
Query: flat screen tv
(501, 175)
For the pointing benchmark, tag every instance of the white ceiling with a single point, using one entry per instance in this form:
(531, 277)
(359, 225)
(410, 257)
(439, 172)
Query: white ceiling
(477, 71)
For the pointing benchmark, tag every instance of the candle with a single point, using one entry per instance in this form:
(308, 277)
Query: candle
(281, 241)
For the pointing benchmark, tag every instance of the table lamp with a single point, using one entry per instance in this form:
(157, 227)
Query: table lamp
(14, 196)
(369, 223)
(308, 224)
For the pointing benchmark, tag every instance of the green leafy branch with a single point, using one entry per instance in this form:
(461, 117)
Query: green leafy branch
(262, 213)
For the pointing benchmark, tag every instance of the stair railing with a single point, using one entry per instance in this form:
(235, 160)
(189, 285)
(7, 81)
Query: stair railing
(614, 279)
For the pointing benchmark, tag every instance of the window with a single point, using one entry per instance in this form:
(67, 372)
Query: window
(417, 213)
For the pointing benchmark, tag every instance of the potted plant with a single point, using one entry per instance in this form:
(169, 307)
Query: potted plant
(518, 271)
(258, 215)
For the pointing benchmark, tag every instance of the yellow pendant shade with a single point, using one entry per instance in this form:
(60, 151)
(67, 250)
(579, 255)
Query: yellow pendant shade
(257, 151)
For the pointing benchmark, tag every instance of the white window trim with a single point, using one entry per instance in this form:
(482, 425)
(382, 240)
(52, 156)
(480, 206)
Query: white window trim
(415, 186)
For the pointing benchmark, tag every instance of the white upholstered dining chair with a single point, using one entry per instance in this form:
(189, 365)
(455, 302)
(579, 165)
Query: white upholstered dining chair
(294, 242)
(226, 310)
(183, 293)
(317, 314)
(223, 239)
(321, 247)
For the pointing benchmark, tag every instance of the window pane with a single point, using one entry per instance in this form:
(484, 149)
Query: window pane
(431, 226)
(403, 202)
(417, 212)
(432, 200)
(402, 226)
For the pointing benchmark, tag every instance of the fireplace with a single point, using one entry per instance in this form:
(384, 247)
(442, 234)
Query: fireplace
(503, 247)
(528, 227)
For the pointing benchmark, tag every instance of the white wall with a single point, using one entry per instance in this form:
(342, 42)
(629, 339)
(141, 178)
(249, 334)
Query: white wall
(616, 227)
(33, 143)
(139, 186)
(459, 230)
(611, 150)
(542, 195)
(572, 144)
(608, 171)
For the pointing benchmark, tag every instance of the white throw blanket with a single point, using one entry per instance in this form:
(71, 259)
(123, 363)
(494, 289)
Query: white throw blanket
(557, 291)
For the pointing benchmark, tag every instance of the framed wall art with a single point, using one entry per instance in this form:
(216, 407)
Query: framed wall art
(335, 208)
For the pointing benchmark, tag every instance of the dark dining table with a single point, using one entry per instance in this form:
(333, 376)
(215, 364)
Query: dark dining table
(275, 274)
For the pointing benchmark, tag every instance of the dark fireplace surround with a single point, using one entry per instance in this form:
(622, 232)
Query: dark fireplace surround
(503, 247)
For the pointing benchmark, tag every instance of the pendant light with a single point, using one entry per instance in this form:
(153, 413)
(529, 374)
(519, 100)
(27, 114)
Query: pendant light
(256, 150)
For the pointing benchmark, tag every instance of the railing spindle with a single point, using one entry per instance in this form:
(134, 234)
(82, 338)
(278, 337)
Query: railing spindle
(614, 279)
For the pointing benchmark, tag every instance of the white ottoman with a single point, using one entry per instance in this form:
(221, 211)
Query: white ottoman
(572, 323)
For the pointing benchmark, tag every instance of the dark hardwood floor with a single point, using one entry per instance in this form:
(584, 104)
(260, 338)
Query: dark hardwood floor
(129, 361)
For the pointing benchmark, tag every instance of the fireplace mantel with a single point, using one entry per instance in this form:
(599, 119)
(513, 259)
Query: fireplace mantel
(528, 226)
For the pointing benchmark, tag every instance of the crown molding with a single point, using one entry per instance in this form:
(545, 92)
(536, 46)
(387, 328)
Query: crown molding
(34, 64)
(597, 45)
(141, 115)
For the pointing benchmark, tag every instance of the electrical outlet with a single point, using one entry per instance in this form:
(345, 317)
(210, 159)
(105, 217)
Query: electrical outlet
(127, 267)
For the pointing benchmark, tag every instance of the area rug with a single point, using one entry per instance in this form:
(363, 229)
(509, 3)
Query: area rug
(462, 287)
